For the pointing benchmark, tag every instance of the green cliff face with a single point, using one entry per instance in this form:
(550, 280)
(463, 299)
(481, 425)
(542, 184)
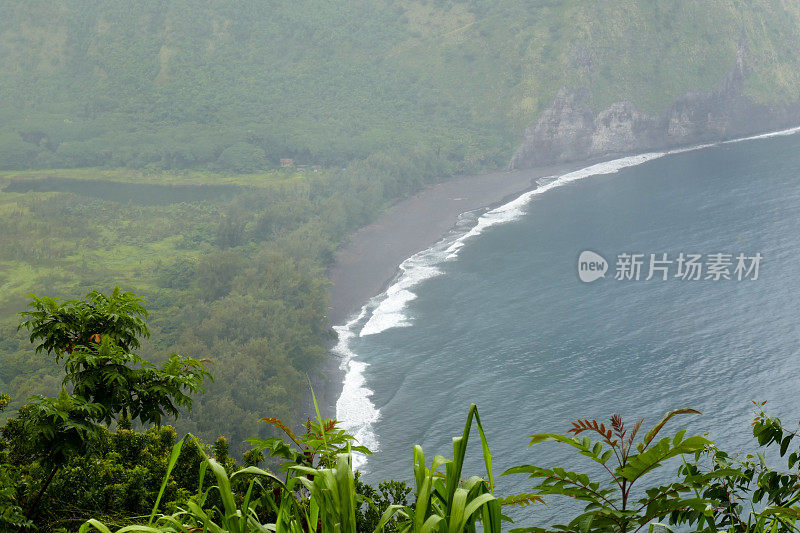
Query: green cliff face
(176, 84)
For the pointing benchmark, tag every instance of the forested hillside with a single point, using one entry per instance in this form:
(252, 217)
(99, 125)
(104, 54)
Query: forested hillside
(237, 85)
(384, 95)
(238, 280)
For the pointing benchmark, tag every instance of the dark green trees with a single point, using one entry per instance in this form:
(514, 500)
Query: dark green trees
(61, 327)
(93, 337)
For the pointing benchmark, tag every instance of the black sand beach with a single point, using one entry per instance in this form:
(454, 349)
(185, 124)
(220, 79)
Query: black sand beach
(370, 259)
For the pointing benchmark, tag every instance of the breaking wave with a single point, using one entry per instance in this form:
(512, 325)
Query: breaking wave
(388, 310)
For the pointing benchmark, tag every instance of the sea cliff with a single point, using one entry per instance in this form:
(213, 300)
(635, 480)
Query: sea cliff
(570, 129)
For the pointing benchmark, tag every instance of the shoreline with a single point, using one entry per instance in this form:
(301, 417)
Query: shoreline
(369, 261)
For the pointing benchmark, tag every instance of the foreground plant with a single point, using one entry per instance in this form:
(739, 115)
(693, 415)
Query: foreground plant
(309, 499)
(320, 445)
(324, 498)
(615, 506)
(93, 339)
(751, 497)
(444, 502)
(12, 517)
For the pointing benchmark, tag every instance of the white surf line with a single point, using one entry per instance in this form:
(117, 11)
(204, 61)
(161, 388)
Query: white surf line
(354, 409)
(779, 133)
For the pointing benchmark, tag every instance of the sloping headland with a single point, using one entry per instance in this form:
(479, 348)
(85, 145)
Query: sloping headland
(571, 129)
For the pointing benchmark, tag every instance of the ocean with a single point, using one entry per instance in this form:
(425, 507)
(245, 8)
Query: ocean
(496, 314)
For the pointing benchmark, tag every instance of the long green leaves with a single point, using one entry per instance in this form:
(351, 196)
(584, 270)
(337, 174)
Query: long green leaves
(445, 504)
(320, 495)
(312, 496)
(332, 501)
(176, 452)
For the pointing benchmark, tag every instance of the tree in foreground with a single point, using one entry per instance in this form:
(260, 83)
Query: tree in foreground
(94, 338)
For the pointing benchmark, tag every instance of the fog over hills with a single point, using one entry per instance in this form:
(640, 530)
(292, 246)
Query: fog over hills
(274, 193)
(237, 85)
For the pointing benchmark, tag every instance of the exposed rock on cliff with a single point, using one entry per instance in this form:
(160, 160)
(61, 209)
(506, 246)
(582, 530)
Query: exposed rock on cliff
(570, 130)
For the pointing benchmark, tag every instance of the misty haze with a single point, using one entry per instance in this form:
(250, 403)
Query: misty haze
(399, 266)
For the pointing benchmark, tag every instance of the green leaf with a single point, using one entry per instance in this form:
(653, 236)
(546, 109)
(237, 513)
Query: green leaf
(650, 435)
(640, 464)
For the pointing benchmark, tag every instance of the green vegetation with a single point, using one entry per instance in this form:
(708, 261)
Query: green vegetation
(51, 436)
(386, 96)
(94, 338)
(447, 502)
(239, 281)
(60, 462)
(62, 469)
(701, 498)
(224, 85)
(167, 98)
(613, 508)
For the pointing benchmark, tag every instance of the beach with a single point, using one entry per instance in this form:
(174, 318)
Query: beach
(369, 264)
(369, 260)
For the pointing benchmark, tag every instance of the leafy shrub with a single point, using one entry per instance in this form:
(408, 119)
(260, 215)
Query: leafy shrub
(92, 338)
(612, 507)
(319, 492)
(377, 501)
(11, 514)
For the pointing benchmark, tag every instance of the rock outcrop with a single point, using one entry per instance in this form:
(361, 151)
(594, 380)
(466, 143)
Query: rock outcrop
(570, 130)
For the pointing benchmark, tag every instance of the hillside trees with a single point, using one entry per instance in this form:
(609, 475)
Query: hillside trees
(232, 85)
(240, 281)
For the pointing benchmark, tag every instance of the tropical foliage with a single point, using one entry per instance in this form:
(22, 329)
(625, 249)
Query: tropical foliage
(613, 507)
(237, 279)
(446, 502)
(236, 275)
(93, 338)
(324, 498)
(60, 465)
(328, 497)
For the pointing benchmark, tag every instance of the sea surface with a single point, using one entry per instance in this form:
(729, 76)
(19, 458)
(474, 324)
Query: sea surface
(497, 315)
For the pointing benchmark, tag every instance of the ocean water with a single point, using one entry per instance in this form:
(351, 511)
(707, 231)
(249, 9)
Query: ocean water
(496, 315)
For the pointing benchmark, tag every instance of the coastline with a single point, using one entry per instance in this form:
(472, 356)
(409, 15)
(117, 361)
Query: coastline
(368, 262)
(370, 258)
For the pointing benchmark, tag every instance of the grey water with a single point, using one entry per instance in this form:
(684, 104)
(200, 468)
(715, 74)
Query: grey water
(508, 324)
(120, 192)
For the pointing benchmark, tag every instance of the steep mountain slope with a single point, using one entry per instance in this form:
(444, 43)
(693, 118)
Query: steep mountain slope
(176, 84)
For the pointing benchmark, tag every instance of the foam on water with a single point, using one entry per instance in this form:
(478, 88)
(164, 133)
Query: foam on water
(388, 310)
(354, 407)
(781, 133)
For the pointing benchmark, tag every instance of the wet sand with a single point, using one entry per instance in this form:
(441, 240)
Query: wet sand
(370, 259)
(366, 264)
